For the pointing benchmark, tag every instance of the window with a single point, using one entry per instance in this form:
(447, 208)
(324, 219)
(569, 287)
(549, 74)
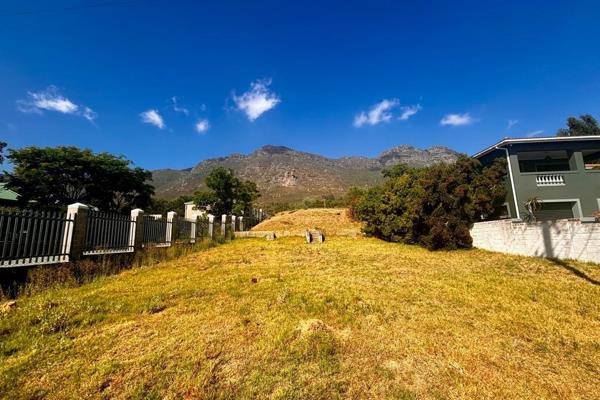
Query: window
(591, 158)
(545, 161)
(556, 210)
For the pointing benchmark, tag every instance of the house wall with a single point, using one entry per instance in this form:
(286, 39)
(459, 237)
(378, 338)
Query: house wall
(564, 239)
(192, 212)
(581, 186)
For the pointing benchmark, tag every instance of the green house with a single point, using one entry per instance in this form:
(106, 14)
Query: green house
(563, 173)
(7, 196)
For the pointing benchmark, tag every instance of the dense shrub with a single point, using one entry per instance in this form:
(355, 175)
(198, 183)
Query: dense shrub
(433, 206)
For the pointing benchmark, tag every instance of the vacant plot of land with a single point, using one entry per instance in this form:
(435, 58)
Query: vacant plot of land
(349, 318)
(332, 221)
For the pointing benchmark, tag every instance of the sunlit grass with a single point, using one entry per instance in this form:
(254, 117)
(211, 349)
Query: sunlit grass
(349, 318)
(332, 221)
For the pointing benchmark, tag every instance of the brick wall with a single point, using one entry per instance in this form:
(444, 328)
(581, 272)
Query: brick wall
(564, 239)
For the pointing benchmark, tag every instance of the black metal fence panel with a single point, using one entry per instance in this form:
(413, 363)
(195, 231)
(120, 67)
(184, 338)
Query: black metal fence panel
(108, 233)
(34, 237)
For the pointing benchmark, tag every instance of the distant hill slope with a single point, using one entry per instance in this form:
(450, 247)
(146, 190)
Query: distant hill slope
(286, 175)
(332, 221)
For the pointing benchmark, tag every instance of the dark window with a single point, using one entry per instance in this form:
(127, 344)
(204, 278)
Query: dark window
(552, 211)
(591, 159)
(544, 161)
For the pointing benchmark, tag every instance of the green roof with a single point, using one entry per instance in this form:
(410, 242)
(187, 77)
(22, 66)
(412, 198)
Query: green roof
(7, 194)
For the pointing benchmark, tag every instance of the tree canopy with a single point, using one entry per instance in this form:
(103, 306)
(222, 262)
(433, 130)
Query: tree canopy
(432, 206)
(53, 178)
(585, 125)
(2, 147)
(227, 193)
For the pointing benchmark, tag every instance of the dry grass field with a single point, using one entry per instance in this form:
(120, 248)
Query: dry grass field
(332, 221)
(349, 318)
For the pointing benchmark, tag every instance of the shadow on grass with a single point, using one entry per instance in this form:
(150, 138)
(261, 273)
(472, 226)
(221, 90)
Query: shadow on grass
(574, 271)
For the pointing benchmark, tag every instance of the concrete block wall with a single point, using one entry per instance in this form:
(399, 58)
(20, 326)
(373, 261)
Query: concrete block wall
(563, 239)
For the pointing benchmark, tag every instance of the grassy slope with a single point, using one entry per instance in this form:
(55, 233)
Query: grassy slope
(351, 318)
(332, 221)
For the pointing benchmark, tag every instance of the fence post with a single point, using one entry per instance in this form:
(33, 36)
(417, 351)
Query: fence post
(233, 218)
(223, 222)
(211, 226)
(136, 232)
(74, 243)
(193, 230)
(241, 218)
(171, 216)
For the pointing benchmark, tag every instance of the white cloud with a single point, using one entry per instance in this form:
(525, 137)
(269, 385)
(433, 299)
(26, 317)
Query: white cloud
(457, 119)
(257, 100)
(511, 123)
(89, 114)
(50, 99)
(153, 117)
(202, 126)
(534, 133)
(380, 112)
(409, 111)
(178, 108)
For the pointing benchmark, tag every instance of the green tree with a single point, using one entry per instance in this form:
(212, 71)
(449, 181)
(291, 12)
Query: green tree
(205, 199)
(246, 193)
(227, 194)
(162, 206)
(52, 178)
(433, 206)
(585, 125)
(2, 147)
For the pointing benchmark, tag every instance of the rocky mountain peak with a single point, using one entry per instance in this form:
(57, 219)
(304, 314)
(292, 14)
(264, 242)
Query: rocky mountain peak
(283, 174)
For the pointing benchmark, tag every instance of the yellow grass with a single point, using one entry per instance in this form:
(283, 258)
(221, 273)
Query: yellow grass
(349, 318)
(332, 221)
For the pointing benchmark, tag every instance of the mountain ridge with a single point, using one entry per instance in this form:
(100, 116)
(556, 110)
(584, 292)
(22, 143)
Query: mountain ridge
(283, 174)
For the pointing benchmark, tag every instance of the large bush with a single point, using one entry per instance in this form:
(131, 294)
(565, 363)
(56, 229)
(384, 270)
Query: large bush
(433, 206)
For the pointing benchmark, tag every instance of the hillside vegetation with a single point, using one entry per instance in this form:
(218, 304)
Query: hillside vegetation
(332, 221)
(349, 318)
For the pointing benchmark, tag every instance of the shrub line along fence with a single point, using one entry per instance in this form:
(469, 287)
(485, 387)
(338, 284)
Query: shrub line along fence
(30, 238)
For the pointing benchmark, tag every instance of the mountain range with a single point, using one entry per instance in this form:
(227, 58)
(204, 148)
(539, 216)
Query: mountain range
(286, 175)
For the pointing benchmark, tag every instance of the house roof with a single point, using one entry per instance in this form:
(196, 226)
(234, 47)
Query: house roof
(507, 141)
(7, 194)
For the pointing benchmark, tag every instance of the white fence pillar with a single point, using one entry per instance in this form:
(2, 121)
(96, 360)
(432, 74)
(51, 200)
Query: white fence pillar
(171, 215)
(193, 231)
(241, 223)
(211, 226)
(233, 218)
(74, 238)
(223, 223)
(136, 231)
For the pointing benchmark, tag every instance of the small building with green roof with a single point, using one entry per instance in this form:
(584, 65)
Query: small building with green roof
(7, 196)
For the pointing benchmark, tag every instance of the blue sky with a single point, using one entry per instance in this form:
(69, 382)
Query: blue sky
(334, 78)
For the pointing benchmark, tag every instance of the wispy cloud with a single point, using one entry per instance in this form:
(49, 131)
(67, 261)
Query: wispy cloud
(152, 117)
(511, 123)
(380, 112)
(50, 99)
(258, 100)
(202, 125)
(457, 119)
(535, 133)
(177, 107)
(409, 111)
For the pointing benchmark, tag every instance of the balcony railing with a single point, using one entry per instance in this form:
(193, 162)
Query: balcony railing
(550, 180)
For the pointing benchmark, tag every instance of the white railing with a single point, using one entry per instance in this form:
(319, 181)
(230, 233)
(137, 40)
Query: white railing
(550, 180)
